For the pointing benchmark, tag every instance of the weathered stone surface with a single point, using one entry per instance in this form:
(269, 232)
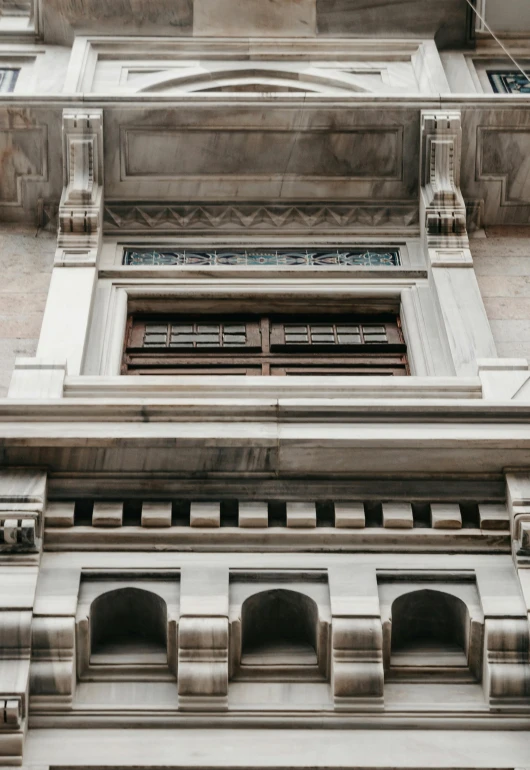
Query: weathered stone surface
(26, 257)
(502, 265)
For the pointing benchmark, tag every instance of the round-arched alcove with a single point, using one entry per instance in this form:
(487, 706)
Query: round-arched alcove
(130, 623)
(279, 626)
(429, 628)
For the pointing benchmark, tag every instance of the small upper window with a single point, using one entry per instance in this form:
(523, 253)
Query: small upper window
(505, 82)
(265, 345)
(8, 80)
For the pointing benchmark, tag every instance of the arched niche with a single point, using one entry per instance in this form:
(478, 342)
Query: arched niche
(432, 635)
(130, 624)
(280, 634)
(279, 625)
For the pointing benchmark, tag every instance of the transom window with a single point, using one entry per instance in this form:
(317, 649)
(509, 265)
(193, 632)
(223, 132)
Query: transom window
(265, 345)
(509, 82)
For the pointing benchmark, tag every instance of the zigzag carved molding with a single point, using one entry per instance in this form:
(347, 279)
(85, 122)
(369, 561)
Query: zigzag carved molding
(306, 216)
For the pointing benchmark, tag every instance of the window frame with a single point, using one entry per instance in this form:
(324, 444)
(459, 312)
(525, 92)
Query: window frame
(266, 351)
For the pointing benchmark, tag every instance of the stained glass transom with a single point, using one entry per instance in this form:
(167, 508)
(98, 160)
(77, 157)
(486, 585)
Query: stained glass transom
(8, 79)
(345, 257)
(509, 82)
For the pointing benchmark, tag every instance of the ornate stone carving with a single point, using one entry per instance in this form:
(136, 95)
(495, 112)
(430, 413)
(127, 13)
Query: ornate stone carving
(81, 207)
(443, 211)
(301, 216)
(21, 512)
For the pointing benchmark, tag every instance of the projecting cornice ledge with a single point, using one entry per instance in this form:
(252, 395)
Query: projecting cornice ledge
(270, 437)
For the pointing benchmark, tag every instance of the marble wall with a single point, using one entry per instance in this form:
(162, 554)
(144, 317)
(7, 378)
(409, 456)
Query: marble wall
(27, 258)
(502, 264)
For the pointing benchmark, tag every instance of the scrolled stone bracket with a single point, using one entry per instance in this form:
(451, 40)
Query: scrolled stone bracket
(507, 663)
(442, 207)
(81, 207)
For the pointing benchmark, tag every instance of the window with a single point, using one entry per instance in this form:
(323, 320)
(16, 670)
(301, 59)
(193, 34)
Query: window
(8, 80)
(505, 82)
(265, 345)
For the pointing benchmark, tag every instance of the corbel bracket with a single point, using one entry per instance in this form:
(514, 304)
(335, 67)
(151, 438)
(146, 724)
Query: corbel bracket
(443, 211)
(518, 494)
(81, 207)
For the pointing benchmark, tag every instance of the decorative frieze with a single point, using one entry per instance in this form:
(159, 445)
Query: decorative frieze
(303, 217)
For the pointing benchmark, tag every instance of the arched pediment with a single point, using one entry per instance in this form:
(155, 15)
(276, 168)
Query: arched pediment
(251, 80)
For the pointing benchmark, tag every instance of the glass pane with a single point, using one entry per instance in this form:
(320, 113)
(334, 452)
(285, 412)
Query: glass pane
(234, 339)
(234, 328)
(178, 343)
(211, 329)
(374, 330)
(295, 329)
(154, 339)
(181, 328)
(207, 339)
(299, 338)
(349, 339)
(155, 328)
(321, 329)
(353, 329)
(329, 338)
(177, 339)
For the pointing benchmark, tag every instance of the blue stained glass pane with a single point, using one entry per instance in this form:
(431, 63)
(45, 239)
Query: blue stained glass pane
(334, 257)
(504, 82)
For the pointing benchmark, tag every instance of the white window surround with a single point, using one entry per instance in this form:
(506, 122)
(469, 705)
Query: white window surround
(22, 58)
(117, 297)
(404, 289)
(98, 65)
(479, 68)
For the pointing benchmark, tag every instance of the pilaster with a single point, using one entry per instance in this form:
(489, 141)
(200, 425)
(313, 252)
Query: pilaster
(69, 305)
(443, 228)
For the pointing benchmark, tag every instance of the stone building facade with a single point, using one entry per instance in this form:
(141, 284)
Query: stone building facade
(265, 414)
